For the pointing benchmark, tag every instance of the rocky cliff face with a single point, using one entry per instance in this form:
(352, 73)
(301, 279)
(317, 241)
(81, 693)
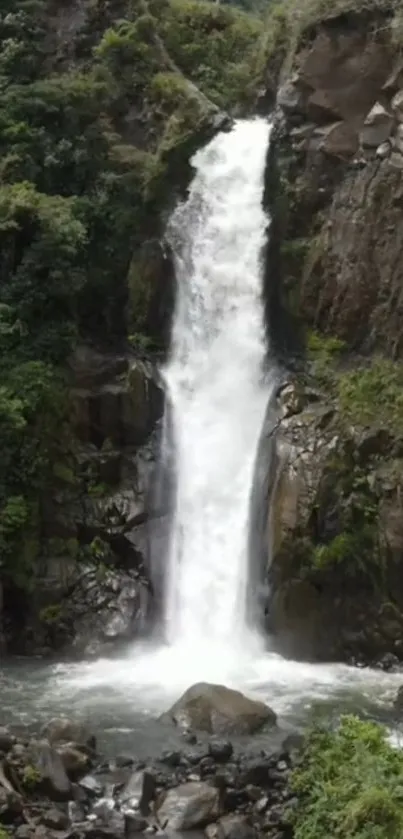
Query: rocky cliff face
(334, 188)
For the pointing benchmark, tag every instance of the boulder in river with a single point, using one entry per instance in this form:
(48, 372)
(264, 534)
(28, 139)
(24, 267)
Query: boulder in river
(219, 710)
(188, 806)
(64, 730)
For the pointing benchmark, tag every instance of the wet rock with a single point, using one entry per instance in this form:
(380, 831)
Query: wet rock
(65, 730)
(256, 771)
(74, 761)
(24, 831)
(10, 805)
(290, 98)
(171, 758)
(55, 819)
(398, 702)
(377, 127)
(139, 791)
(121, 761)
(75, 811)
(112, 609)
(397, 104)
(134, 824)
(396, 160)
(383, 150)
(50, 765)
(91, 785)
(236, 827)
(219, 710)
(220, 750)
(6, 739)
(189, 806)
(389, 663)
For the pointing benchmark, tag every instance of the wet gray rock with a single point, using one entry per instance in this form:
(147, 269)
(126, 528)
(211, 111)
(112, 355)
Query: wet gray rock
(139, 791)
(50, 765)
(377, 127)
(134, 824)
(398, 702)
(189, 806)
(219, 710)
(91, 785)
(234, 826)
(220, 750)
(108, 609)
(56, 819)
(75, 761)
(65, 730)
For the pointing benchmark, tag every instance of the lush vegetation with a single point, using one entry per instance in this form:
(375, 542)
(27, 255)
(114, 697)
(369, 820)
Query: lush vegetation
(95, 119)
(349, 785)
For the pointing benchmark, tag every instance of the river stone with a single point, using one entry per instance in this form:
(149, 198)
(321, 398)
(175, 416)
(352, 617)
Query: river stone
(188, 806)
(219, 710)
(233, 826)
(50, 765)
(6, 739)
(74, 761)
(64, 730)
(139, 791)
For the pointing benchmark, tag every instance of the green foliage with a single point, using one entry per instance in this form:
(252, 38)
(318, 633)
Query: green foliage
(323, 353)
(92, 134)
(31, 778)
(349, 784)
(50, 614)
(214, 45)
(374, 395)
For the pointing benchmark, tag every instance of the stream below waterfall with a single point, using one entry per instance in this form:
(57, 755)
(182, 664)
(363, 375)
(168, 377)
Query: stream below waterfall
(219, 385)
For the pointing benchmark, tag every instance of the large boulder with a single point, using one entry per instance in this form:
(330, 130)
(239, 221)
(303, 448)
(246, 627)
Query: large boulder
(220, 710)
(189, 806)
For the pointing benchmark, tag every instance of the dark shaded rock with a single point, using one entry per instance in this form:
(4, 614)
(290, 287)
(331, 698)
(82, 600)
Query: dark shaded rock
(134, 824)
(55, 819)
(256, 771)
(388, 662)
(11, 806)
(236, 827)
(219, 710)
(171, 758)
(6, 740)
(139, 791)
(189, 806)
(398, 702)
(220, 750)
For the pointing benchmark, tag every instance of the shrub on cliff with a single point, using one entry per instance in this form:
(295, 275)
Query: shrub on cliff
(99, 110)
(349, 784)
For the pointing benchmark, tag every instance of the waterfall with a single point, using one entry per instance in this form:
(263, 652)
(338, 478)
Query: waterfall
(217, 386)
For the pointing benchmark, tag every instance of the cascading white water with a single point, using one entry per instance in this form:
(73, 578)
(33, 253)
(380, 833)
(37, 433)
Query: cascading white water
(216, 384)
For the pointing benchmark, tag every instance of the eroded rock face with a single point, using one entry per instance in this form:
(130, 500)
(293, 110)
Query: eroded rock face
(220, 710)
(337, 144)
(92, 587)
(335, 539)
